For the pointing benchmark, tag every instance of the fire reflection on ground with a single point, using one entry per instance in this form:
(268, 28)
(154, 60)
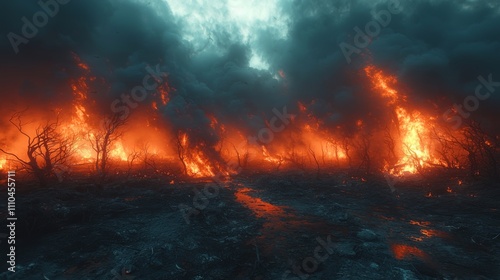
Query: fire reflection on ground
(405, 252)
(427, 232)
(419, 223)
(279, 222)
(259, 207)
(402, 251)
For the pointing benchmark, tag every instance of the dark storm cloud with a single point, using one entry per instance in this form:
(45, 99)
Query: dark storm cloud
(238, 91)
(117, 39)
(436, 48)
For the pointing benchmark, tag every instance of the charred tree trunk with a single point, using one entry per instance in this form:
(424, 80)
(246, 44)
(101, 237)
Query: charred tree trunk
(45, 149)
(181, 153)
(101, 142)
(313, 154)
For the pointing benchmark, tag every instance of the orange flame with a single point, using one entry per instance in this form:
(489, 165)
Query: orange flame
(79, 125)
(414, 152)
(268, 157)
(197, 163)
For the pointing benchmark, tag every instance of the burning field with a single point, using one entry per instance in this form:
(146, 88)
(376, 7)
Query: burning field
(254, 140)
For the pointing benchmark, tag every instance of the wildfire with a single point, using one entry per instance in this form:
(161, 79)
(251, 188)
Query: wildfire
(415, 152)
(413, 126)
(118, 152)
(197, 164)
(308, 142)
(268, 157)
(79, 124)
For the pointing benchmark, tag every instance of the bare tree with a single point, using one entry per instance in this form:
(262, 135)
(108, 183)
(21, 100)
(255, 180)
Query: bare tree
(293, 153)
(131, 158)
(292, 156)
(323, 154)
(147, 157)
(346, 147)
(483, 153)
(391, 147)
(363, 150)
(473, 148)
(313, 155)
(47, 149)
(242, 159)
(181, 142)
(448, 150)
(335, 145)
(102, 140)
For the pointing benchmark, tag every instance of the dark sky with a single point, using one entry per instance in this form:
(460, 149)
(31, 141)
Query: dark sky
(437, 49)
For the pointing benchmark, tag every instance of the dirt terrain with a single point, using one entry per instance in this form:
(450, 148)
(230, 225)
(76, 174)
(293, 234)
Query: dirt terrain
(289, 225)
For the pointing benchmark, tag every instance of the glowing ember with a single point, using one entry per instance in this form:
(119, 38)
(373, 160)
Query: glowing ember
(3, 163)
(164, 90)
(402, 252)
(431, 232)
(419, 223)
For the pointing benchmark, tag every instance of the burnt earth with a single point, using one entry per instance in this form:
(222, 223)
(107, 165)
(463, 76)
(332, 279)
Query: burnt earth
(259, 226)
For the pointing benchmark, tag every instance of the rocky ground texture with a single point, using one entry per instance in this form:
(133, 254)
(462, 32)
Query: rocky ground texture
(259, 226)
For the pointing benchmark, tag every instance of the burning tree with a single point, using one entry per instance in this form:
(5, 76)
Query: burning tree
(102, 140)
(198, 159)
(47, 150)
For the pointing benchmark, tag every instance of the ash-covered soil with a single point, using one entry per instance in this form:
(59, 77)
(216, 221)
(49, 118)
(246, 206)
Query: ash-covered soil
(259, 226)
